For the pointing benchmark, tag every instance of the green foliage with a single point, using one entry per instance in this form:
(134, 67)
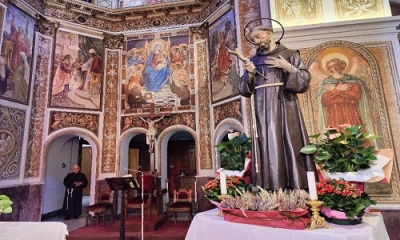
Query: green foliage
(343, 151)
(5, 204)
(232, 153)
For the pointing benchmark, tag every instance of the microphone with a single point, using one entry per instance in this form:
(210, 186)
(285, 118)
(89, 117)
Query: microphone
(133, 170)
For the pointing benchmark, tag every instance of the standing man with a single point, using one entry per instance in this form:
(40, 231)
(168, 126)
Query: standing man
(74, 182)
(272, 78)
(4, 75)
(94, 66)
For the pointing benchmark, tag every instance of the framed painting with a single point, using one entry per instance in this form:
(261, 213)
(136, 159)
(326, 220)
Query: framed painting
(353, 84)
(77, 77)
(224, 73)
(158, 72)
(16, 55)
(298, 12)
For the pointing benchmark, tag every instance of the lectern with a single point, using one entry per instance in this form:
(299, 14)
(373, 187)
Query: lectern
(123, 184)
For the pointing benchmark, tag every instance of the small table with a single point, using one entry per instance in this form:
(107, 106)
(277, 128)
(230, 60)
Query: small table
(206, 225)
(33, 230)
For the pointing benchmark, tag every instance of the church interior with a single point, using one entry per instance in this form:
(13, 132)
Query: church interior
(125, 87)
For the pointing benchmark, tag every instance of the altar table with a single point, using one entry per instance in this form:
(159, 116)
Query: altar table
(33, 231)
(206, 225)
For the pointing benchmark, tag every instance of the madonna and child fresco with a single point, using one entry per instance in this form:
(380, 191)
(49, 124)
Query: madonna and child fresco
(77, 71)
(16, 55)
(158, 72)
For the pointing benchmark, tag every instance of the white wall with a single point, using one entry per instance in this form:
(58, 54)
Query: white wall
(61, 150)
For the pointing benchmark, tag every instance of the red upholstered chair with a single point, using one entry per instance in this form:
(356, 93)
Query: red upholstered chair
(134, 197)
(182, 203)
(104, 202)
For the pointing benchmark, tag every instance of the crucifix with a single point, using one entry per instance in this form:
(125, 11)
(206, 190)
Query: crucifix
(152, 130)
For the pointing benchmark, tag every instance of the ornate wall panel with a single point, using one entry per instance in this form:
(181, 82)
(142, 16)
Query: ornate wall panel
(167, 120)
(12, 122)
(110, 111)
(59, 120)
(204, 107)
(40, 89)
(228, 110)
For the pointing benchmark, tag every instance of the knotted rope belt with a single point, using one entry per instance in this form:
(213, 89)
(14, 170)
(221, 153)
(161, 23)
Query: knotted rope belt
(69, 194)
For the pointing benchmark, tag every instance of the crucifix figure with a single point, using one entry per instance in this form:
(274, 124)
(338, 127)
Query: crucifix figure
(152, 130)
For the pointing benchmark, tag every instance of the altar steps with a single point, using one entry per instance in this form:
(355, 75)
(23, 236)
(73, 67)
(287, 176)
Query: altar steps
(156, 228)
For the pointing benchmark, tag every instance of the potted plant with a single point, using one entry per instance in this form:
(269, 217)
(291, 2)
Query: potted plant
(343, 204)
(343, 151)
(234, 184)
(232, 153)
(5, 204)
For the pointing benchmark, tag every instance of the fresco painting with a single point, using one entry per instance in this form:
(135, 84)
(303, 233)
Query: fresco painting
(223, 66)
(16, 55)
(77, 71)
(157, 72)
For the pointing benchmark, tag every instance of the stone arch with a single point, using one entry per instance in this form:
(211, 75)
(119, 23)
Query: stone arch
(162, 144)
(220, 132)
(123, 146)
(88, 136)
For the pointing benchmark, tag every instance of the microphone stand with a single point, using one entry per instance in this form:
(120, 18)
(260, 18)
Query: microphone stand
(142, 187)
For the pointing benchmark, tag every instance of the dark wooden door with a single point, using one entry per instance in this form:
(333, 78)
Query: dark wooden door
(181, 156)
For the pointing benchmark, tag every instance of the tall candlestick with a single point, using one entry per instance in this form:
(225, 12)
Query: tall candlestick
(312, 188)
(222, 177)
(195, 190)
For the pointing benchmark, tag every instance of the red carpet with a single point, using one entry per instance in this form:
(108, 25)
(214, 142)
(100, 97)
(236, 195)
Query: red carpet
(156, 228)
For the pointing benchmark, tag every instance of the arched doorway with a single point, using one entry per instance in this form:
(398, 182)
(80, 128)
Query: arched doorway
(138, 155)
(181, 159)
(62, 154)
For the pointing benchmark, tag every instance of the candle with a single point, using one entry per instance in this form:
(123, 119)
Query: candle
(195, 191)
(312, 188)
(222, 177)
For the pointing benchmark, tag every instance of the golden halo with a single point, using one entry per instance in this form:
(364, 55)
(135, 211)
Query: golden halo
(331, 56)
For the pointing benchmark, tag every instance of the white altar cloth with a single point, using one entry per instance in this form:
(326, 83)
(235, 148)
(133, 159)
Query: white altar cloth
(33, 231)
(206, 225)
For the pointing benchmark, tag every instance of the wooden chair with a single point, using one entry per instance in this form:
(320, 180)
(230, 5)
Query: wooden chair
(182, 203)
(104, 202)
(134, 197)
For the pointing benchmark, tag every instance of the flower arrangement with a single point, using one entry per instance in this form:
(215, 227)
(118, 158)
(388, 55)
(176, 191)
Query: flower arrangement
(343, 151)
(5, 204)
(234, 185)
(263, 200)
(233, 152)
(340, 195)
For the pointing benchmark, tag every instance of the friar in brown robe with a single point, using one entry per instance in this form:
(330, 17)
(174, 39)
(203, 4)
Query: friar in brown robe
(278, 131)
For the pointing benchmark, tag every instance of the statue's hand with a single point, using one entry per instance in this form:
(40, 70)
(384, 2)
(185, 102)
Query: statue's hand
(250, 67)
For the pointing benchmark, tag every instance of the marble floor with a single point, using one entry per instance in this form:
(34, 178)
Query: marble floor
(73, 224)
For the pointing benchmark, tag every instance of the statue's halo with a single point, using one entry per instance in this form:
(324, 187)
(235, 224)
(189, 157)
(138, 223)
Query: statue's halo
(247, 25)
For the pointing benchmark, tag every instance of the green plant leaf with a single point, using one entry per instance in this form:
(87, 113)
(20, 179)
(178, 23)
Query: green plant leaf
(309, 149)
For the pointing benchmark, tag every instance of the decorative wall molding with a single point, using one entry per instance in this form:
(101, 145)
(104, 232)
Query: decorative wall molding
(228, 110)
(59, 120)
(129, 19)
(40, 89)
(200, 32)
(110, 111)
(46, 27)
(12, 123)
(113, 41)
(204, 106)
